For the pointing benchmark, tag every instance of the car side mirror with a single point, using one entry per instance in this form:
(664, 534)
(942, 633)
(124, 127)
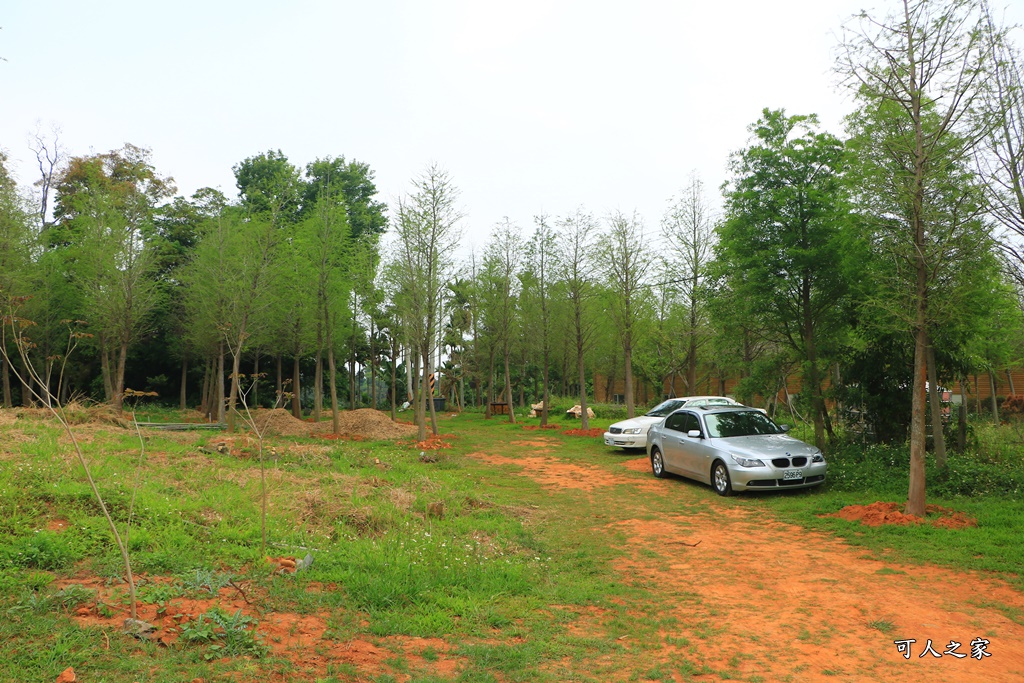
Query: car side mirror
(693, 433)
(785, 428)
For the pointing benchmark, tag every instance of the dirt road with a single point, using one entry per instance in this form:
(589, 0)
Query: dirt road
(767, 601)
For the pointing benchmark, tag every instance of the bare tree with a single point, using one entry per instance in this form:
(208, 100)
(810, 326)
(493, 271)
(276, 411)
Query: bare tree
(688, 228)
(1001, 158)
(501, 264)
(541, 255)
(577, 274)
(627, 262)
(423, 262)
(923, 69)
(50, 158)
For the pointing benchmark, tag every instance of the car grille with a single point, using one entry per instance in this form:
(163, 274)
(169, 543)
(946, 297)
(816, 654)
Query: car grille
(772, 483)
(785, 462)
(615, 430)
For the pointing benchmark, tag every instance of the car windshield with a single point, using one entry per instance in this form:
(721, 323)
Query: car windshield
(663, 409)
(740, 423)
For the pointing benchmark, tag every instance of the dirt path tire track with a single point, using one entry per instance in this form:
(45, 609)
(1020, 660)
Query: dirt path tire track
(762, 600)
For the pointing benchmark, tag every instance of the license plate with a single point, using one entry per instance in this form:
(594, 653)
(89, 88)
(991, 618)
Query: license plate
(789, 475)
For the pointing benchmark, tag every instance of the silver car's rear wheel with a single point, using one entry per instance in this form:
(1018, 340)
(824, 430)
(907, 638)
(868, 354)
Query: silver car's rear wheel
(657, 463)
(720, 479)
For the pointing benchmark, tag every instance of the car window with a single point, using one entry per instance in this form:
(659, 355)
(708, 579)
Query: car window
(663, 409)
(690, 422)
(675, 422)
(696, 404)
(739, 423)
(720, 402)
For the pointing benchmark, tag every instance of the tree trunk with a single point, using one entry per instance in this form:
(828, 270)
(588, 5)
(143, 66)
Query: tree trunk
(373, 368)
(916, 490)
(427, 370)
(26, 391)
(236, 367)
(5, 373)
(630, 399)
(546, 398)
(490, 384)
(296, 388)
(184, 383)
(935, 396)
(333, 381)
(995, 403)
(961, 427)
(691, 353)
(508, 391)
(318, 383)
(204, 398)
(584, 418)
(1009, 380)
(108, 389)
(122, 362)
(219, 397)
(394, 378)
(419, 399)
(279, 383)
(255, 379)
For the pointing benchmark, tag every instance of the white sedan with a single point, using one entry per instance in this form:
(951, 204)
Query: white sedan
(632, 433)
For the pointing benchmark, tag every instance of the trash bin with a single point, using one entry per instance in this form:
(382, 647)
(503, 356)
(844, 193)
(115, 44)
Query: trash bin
(439, 404)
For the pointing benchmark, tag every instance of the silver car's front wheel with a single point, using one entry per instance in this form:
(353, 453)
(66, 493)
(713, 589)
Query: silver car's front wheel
(720, 479)
(657, 463)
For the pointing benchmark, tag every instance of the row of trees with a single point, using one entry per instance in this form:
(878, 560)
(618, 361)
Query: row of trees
(869, 264)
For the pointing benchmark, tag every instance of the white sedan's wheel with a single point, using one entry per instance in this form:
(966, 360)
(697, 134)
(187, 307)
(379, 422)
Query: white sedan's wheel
(657, 463)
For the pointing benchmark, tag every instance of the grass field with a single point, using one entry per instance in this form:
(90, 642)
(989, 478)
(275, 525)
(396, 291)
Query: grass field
(456, 569)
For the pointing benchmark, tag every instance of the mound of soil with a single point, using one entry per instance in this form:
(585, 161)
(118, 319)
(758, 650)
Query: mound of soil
(597, 431)
(880, 513)
(365, 423)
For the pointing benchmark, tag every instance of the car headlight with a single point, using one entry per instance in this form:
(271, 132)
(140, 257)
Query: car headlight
(818, 457)
(636, 430)
(747, 462)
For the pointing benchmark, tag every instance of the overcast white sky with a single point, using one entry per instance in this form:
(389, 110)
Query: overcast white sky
(532, 106)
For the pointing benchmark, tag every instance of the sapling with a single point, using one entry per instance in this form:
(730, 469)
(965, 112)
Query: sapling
(13, 330)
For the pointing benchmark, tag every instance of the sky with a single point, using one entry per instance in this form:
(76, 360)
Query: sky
(533, 106)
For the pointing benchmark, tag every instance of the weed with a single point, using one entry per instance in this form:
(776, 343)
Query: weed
(885, 571)
(206, 580)
(224, 635)
(882, 625)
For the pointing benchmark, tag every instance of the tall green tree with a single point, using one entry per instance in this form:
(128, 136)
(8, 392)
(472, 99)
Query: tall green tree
(577, 272)
(15, 258)
(921, 68)
(351, 186)
(627, 262)
(537, 278)
(501, 269)
(104, 212)
(782, 240)
(427, 229)
(688, 227)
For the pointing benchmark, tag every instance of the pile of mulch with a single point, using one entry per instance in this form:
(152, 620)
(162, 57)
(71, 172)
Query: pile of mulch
(365, 423)
(596, 431)
(879, 513)
(78, 414)
(533, 428)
